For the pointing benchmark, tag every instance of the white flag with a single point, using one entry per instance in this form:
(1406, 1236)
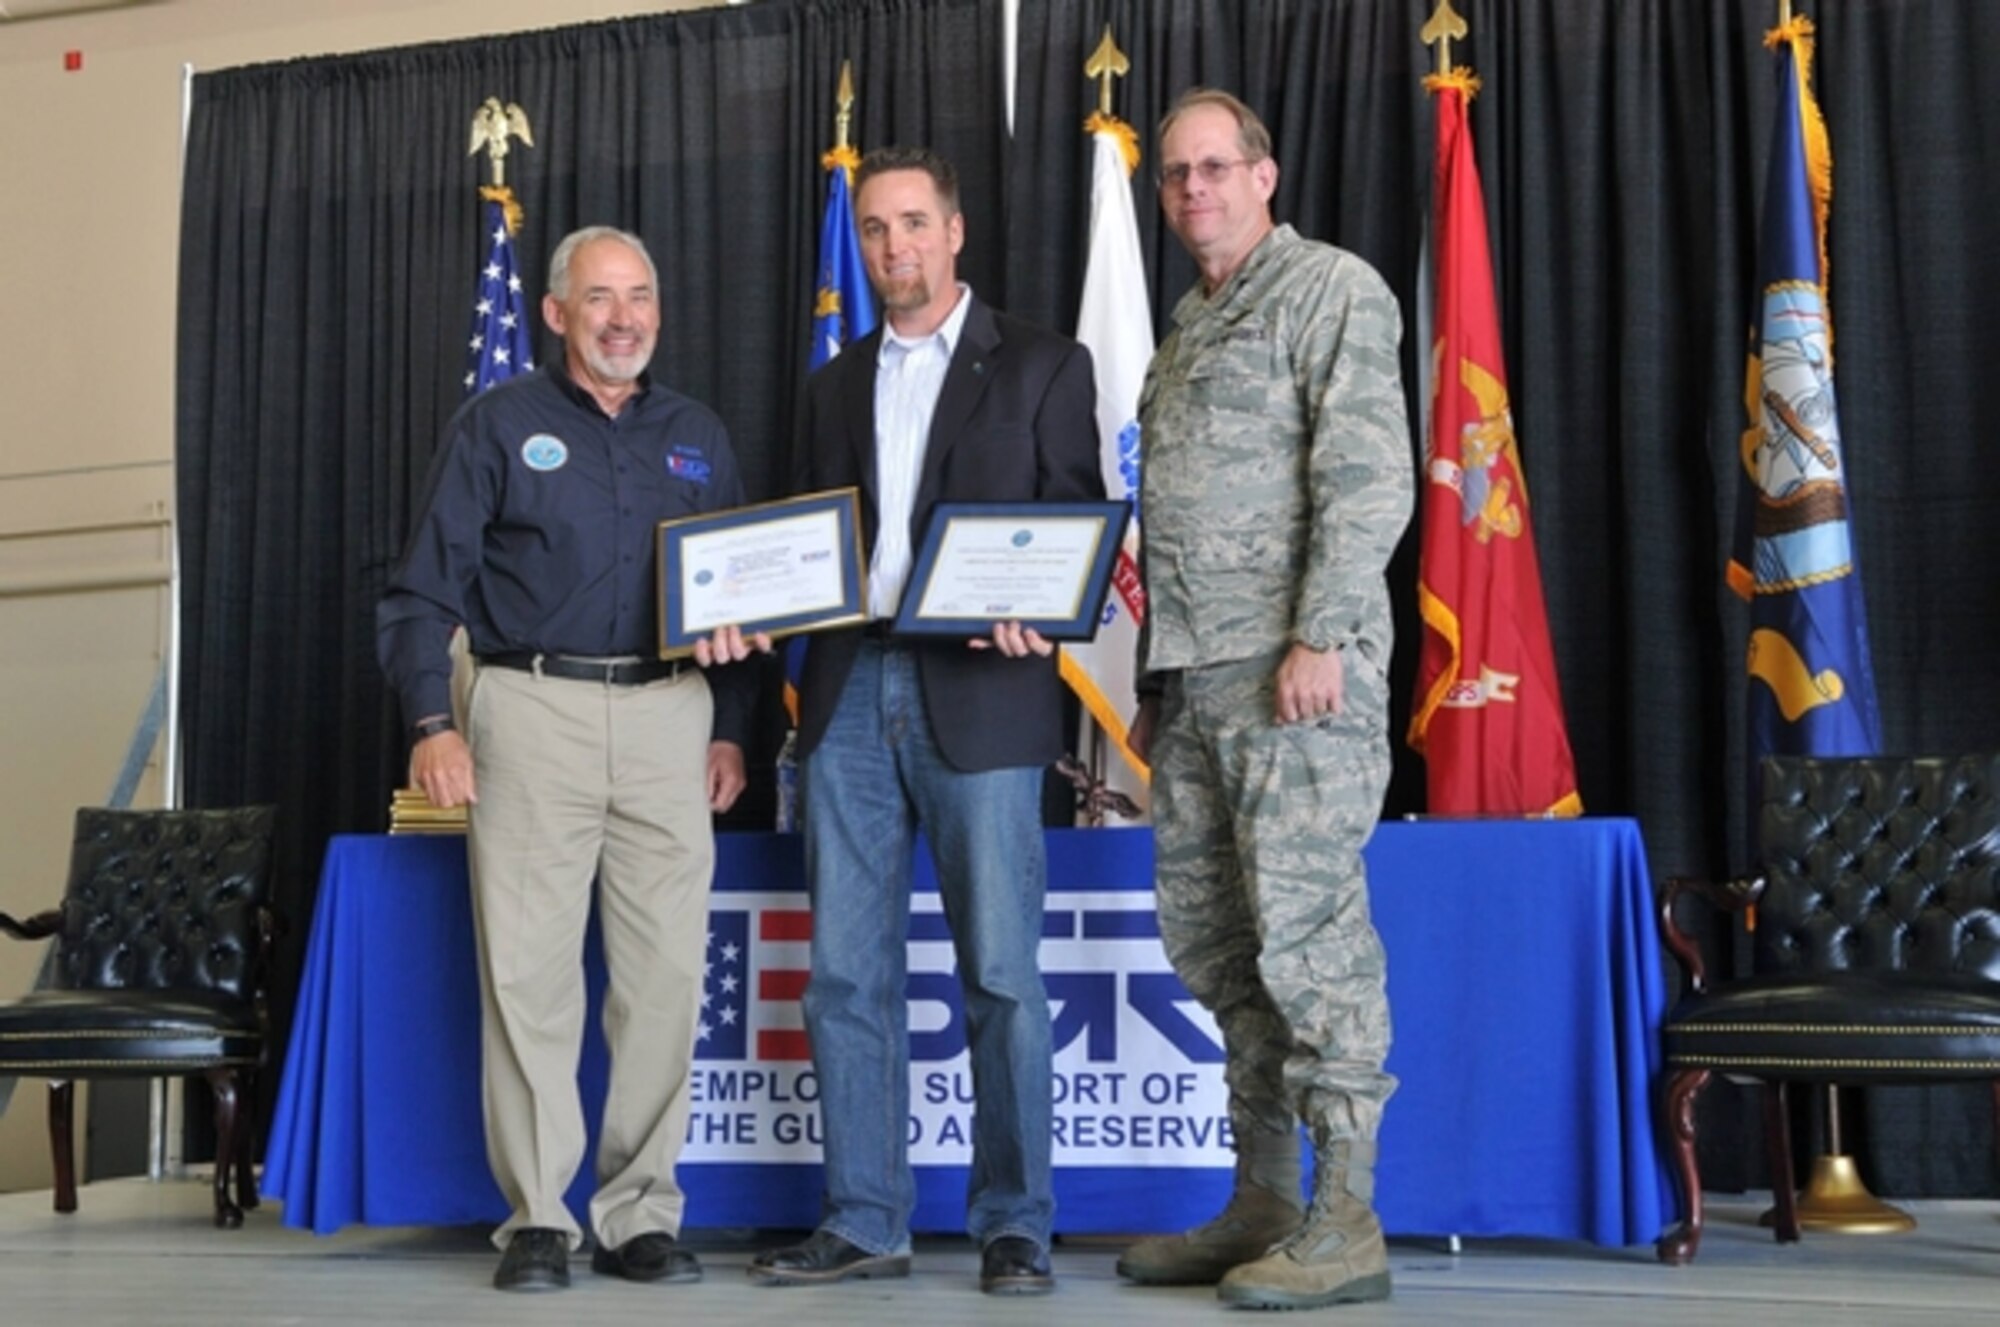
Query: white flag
(1116, 322)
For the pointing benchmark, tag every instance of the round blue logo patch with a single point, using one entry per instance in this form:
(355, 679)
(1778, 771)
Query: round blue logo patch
(544, 451)
(1022, 538)
(704, 576)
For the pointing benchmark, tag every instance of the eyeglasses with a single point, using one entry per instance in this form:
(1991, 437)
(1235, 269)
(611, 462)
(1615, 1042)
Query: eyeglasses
(1212, 171)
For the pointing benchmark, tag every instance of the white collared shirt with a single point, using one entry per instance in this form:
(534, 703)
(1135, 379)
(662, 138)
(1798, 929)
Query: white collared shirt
(909, 374)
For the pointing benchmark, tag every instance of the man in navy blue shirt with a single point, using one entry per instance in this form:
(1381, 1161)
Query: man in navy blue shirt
(583, 755)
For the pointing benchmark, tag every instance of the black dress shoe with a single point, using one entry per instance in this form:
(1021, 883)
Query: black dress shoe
(1015, 1265)
(821, 1259)
(536, 1259)
(653, 1256)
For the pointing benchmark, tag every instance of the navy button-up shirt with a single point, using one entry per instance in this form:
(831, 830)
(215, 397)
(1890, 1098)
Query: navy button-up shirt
(538, 533)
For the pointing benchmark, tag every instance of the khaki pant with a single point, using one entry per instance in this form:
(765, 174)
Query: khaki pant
(579, 780)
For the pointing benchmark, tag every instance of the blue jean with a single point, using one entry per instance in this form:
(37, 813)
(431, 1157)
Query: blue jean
(874, 778)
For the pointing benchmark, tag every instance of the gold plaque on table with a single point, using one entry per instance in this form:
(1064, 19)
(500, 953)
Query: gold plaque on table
(412, 813)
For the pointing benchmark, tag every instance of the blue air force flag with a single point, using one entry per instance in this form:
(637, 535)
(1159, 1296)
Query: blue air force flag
(842, 307)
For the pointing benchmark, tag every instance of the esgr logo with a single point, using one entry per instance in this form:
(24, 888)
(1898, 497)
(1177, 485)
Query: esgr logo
(1135, 1057)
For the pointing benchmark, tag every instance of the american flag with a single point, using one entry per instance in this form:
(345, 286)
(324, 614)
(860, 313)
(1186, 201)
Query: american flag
(501, 344)
(760, 982)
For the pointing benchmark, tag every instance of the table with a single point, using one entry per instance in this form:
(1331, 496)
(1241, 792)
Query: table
(1524, 980)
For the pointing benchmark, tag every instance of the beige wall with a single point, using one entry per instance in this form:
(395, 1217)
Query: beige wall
(88, 234)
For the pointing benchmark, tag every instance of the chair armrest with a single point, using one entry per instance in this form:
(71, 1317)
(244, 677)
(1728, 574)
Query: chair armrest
(1738, 895)
(38, 927)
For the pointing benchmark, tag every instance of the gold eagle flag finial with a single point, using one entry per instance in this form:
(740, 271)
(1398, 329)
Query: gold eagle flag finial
(492, 125)
(1106, 63)
(1445, 26)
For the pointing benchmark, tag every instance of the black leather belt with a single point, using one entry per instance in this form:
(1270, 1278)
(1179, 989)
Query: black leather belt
(881, 628)
(617, 673)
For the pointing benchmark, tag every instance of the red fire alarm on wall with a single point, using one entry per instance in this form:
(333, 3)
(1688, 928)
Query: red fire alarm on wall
(72, 61)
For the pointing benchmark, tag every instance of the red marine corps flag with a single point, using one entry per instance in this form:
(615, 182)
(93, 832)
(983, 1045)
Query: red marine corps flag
(1488, 713)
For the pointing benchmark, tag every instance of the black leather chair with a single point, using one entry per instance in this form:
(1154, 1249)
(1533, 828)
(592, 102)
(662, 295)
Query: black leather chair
(1876, 951)
(163, 943)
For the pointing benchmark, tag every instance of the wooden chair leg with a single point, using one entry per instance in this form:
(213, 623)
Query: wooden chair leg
(228, 1215)
(62, 1142)
(1677, 1247)
(1778, 1150)
(247, 1197)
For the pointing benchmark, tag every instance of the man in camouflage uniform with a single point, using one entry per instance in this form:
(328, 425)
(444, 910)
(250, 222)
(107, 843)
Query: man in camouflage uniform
(1276, 481)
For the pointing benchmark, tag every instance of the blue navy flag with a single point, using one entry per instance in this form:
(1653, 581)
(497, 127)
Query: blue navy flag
(1810, 675)
(843, 308)
(502, 342)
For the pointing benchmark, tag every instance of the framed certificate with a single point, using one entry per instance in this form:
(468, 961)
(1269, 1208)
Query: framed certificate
(1046, 565)
(779, 567)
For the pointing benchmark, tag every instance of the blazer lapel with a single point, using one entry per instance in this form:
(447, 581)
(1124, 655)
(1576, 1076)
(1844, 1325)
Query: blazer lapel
(857, 411)
(965, 381)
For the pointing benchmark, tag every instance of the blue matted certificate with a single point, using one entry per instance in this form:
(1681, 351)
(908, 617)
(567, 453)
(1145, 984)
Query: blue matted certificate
(1046, 565)
(778, 567)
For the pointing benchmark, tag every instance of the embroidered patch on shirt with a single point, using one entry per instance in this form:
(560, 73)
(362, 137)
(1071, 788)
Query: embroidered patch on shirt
(544, 451)
(688, 463)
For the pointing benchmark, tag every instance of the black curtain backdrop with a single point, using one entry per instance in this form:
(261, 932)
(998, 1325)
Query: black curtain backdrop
(330, 234)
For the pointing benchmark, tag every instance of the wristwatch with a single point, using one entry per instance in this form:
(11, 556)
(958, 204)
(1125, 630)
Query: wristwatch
(432, 726)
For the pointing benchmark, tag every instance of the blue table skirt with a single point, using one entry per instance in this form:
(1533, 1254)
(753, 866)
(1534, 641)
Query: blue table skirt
(1524, 980)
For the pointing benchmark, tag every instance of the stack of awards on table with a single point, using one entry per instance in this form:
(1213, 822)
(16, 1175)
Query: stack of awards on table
(412, 813)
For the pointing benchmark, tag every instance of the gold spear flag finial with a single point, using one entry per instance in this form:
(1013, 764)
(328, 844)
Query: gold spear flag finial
(843, 103)
(1106, 63)
(1445, 25)
(1784, 13)
(842, 153)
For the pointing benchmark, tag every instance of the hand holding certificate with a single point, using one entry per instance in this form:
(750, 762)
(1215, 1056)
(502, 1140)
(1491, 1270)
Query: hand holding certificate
(775, 569)
(1043, 565)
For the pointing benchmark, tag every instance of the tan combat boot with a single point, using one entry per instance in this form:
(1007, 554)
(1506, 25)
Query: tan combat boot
(1337, 1257)
(1265, 1208)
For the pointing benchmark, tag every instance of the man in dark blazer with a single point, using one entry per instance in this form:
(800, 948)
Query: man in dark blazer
(950, 401)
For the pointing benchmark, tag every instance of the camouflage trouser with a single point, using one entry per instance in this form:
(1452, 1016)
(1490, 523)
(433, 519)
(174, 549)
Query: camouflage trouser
(1262, 900)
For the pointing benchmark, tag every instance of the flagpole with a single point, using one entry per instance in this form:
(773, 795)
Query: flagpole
(1487, 711)
(500, 345)
(1114, 322)
(842, 311)
(1835, 1197)
(1105, 64)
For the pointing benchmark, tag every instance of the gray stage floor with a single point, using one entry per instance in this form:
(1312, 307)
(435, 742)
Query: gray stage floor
(145, 1253)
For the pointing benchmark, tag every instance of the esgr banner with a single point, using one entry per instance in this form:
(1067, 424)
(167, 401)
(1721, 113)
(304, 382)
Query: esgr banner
(1140, 1106)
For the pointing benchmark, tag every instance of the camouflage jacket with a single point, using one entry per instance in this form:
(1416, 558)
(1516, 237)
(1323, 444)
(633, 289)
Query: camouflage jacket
(1277, 475)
